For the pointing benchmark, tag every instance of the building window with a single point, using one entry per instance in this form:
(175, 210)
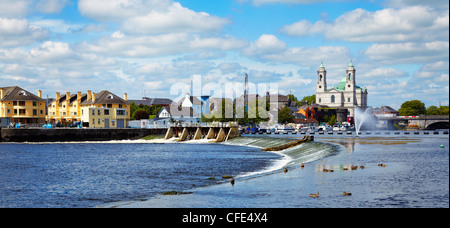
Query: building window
(120, 106)
(99, 112)
(93, 111)
(98, 121)
(109, 105)
(349, 99)
(333, 99)
(107, 112)
(34, 103)
(34, 112)
(320, 100)
(21, 103)
(120, 112)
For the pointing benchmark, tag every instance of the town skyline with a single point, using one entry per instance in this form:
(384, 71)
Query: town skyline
(399, 48)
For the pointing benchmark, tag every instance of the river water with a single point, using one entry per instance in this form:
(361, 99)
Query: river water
(137, 173)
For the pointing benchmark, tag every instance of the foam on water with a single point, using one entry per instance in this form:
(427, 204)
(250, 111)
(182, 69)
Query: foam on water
(303, 153)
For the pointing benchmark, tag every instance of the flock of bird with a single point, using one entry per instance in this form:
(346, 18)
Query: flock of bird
(353, 167)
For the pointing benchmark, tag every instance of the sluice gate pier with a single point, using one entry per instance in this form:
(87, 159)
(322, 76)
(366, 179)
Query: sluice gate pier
(220, 134)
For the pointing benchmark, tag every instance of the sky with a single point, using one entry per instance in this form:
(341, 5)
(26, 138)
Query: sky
(400, 48)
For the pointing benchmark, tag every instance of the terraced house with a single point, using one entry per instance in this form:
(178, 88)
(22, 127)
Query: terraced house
(96, 110)
(21, 106)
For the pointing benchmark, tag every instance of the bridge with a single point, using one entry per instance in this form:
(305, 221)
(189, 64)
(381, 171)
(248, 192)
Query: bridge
(423, 122)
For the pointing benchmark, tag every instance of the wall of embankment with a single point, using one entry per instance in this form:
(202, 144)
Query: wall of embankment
(74, 134)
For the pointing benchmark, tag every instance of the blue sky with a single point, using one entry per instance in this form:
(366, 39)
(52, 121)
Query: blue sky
(399, 47)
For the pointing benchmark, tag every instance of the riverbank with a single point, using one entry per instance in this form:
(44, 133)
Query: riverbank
(416, 174)
(74, 134)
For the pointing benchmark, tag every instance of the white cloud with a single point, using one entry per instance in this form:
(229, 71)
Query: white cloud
(51, 6)
(122, 45)
(175, 19)
(16, 32)
(408, 53)
(118, 10)
(415, 23)
(58, 26)
(263, 2)
(265, 44)
(14, 8)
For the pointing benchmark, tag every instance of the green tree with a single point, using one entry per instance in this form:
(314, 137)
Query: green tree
(310, 99)
(444, 110)
(412, 108)
(332, 121)
(284, 116)
(433, 110)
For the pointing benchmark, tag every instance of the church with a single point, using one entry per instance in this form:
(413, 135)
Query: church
(345, 95)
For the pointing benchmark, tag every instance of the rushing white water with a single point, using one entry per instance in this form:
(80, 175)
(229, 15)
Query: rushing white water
(304, 153)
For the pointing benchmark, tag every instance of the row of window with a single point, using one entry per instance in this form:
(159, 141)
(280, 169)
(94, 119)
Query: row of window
(119, 112)
(333, 99)
(22, 112)
(22, 103)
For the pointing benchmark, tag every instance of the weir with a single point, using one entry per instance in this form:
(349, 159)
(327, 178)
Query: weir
(220, 134)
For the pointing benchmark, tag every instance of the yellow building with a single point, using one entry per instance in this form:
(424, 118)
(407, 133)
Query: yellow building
(102, 110)
(105, 110)
(21, 106)
(66, 108)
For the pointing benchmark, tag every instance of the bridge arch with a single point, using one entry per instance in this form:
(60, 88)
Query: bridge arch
(438, 125)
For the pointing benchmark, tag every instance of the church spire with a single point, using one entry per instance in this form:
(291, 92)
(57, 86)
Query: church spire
(351, 63)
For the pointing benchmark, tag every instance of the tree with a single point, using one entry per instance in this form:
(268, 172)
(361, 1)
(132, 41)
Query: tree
(284, 116)
(140, 114)
(433, 110)
(332, 120)
(310, 99)
(412, 108)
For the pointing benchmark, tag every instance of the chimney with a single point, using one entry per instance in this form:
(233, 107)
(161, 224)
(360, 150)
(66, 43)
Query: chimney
(58, 96)
(93, 98)
(40, 93)
(67, 102)
(125, 97)
(89, 95)
(2, 93)
(79, 95)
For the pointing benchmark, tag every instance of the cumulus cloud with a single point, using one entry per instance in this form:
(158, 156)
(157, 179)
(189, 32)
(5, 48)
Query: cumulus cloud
(414, 23)
(270, 48)
(263, 2)
(15, 32)
(14, 8)
(175, 19)
(51, 6)
(118, 10)
(408, 53)
(265, 44)
(122, 45)
(151, 17)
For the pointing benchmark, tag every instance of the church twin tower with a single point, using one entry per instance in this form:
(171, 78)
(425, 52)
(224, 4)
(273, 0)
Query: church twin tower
(346, 95)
